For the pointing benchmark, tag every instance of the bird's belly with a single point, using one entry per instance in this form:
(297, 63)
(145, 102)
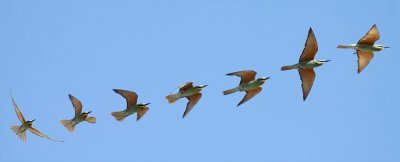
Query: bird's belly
(23, 128)
(365, 47)
(77, 120)
(250, 86)
(132, 110)
(190, 92)
(309, 65)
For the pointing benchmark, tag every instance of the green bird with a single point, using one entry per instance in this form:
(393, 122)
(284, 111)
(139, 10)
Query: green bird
(20, 131)
(79, 115)
(365, 47)
(307, 63)
(248, 83)
(131, 107)
(192, 93)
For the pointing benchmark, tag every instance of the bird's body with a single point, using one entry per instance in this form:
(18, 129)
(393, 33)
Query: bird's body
(79, 115)
(132, 106)
(20, 131)
(248, 84)
(80, 118)
(365, 47)
(307, 63)
(192, 93)
(252, 85)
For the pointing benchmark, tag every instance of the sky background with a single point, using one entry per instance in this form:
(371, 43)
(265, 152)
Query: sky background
(49, 49)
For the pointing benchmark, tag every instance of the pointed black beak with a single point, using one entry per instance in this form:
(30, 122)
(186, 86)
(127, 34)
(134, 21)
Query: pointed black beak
(326, 60)
(89, 112)
(33, 120)
(205, 86)
(267, 78)
(147, 104)
(386, 47)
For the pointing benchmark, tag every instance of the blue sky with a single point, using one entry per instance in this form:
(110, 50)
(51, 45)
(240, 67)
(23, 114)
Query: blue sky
(86, 48)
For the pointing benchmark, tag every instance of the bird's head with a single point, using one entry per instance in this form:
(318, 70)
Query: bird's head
(85, 114)
(143, 104)
(29, 122)
(200, 87)
(380, 47)
(321, 62)
(263, 79)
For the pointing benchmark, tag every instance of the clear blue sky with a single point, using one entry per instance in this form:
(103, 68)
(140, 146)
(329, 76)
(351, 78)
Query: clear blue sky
(86, 48)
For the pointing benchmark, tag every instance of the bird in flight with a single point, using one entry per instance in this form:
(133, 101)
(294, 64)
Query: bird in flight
(20, 131)
(248, 83)
(187, 90)
(307, 63)
(79, 115)
(131, 107)
(365, 47)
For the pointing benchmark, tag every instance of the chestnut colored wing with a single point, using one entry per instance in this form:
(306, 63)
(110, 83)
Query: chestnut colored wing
(310, 48)
(192, 102)
(77, 105)
(186, 86)
(246, 76)
(131, 97)
(40, 134)
(17, 111)
(371, 37)
(307, 77)
(250, 94)
(364, 57)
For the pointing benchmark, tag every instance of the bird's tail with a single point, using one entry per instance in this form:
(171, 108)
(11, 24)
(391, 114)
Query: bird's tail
(230, 91)
(20, 134)
(91, 119)
(173, 97)
(345, 46)
(119, 115)
(284, 68)
(69, 124)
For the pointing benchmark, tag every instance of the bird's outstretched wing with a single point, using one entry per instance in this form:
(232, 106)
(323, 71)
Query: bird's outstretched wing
(17, 111)
(141, 112)
(40, 134)
(250, 94)
(246, 76)
(77, 105)
(310, 48)
(193, 99)
(186, 86)
(131, 97)
(307, 77)
(371, 37)
(364, 57)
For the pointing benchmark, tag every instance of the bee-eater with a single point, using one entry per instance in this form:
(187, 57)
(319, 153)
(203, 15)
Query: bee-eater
(365, 47)
(79, 115)
(192, 93)
(26, 125)
(248, 83)
(307, 64)
(131, 107)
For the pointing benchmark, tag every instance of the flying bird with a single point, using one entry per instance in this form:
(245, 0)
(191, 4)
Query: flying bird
(365, 47)
(248, 83)
(79, 115)
(192, 93)
(307, 63)
(131, 107)
(20, 131)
